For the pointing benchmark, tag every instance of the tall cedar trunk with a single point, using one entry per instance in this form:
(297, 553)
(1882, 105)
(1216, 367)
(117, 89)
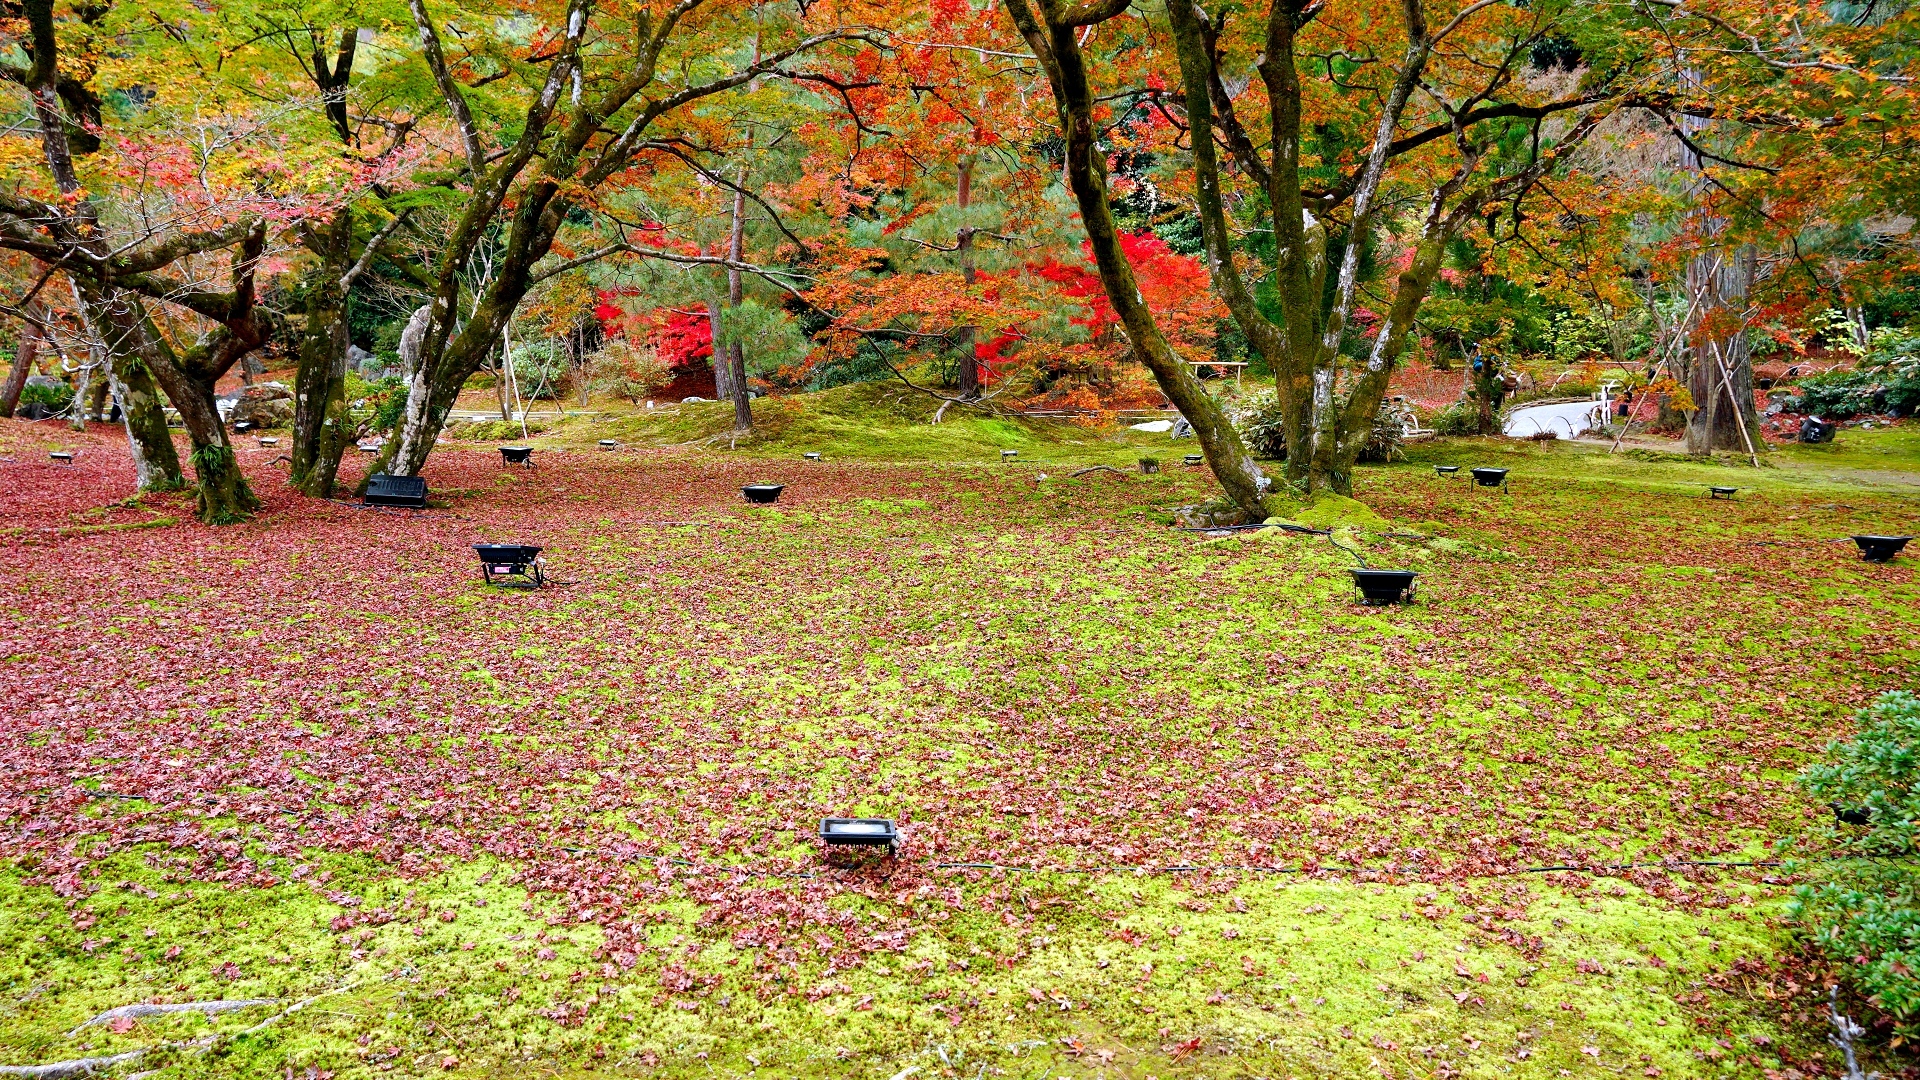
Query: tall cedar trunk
(736, 348)
(32, 333)
(111, 317)
(1719, 360)
(963, 337)
(322, 429)
(721, 362)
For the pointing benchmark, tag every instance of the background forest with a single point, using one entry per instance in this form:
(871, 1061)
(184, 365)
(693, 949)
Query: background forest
(403, 203)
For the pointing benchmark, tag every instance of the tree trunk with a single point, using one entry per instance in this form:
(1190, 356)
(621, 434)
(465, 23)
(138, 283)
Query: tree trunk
(156, 464)
(31, 335)
(1720, 361)
(83, 386)
(321, 427)
(963, 337)
(224, 497)
(722, 367)
(110, 317)
(736, 348)
(97, 392)
(1235, 469)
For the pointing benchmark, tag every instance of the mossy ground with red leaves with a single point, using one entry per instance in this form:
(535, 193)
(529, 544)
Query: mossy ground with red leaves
(1602, 666)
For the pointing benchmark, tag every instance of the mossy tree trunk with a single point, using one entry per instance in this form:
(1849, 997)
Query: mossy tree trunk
(112, 317)
(322, 428)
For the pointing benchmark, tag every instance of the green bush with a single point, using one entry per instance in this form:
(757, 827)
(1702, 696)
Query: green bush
(1887, 380)
(1386, 441)
(1863, 910)
(382, 401)
(56, 395)
(1458, 419)
(1262, 425)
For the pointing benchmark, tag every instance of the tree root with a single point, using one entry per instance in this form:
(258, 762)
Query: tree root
(208, 1007)
(61, 1070)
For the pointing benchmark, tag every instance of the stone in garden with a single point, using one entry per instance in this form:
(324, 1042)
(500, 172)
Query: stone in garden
(263, 405)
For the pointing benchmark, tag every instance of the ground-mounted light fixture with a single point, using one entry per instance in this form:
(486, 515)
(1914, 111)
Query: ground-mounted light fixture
(1719, 491)
(1193, 459)
(1384, 586)
(511, 566)
(406, 491)
(1009, 455)
(609, 444)
(1487, 477)
(1444, 471)
(812, 455)
(61, 457)
(860, 832)
(1880, 548)
(517, 455)
(763, 494)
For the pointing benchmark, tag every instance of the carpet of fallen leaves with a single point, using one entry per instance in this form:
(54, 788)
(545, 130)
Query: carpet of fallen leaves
(1021, 671)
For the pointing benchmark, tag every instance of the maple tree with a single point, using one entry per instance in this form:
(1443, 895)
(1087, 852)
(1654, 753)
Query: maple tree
(116, 279)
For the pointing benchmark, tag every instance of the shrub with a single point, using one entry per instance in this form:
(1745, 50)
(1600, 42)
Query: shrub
(1887, 380)
(382, 401)
(1386, 441)
(1262, 425)
(627, 372)
(1864, 912)
(53, 394)
(538, 368)
(1458, 419)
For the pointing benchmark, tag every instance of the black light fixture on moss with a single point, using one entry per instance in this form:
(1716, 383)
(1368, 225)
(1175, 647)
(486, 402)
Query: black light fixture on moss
(1721, 492)
(60, 457)
(859, 832)
(511, 566)
(517, 455)
(403, 491)
(1009, 455)
(1445, 471)
(1880, 548)
(609, 444)
(1487, 477)
(812, 455)
(763, 494)
(1192, 460)
(1384, 586)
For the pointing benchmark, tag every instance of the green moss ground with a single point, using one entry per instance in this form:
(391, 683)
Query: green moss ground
(1603, 664)
(1107, 976)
